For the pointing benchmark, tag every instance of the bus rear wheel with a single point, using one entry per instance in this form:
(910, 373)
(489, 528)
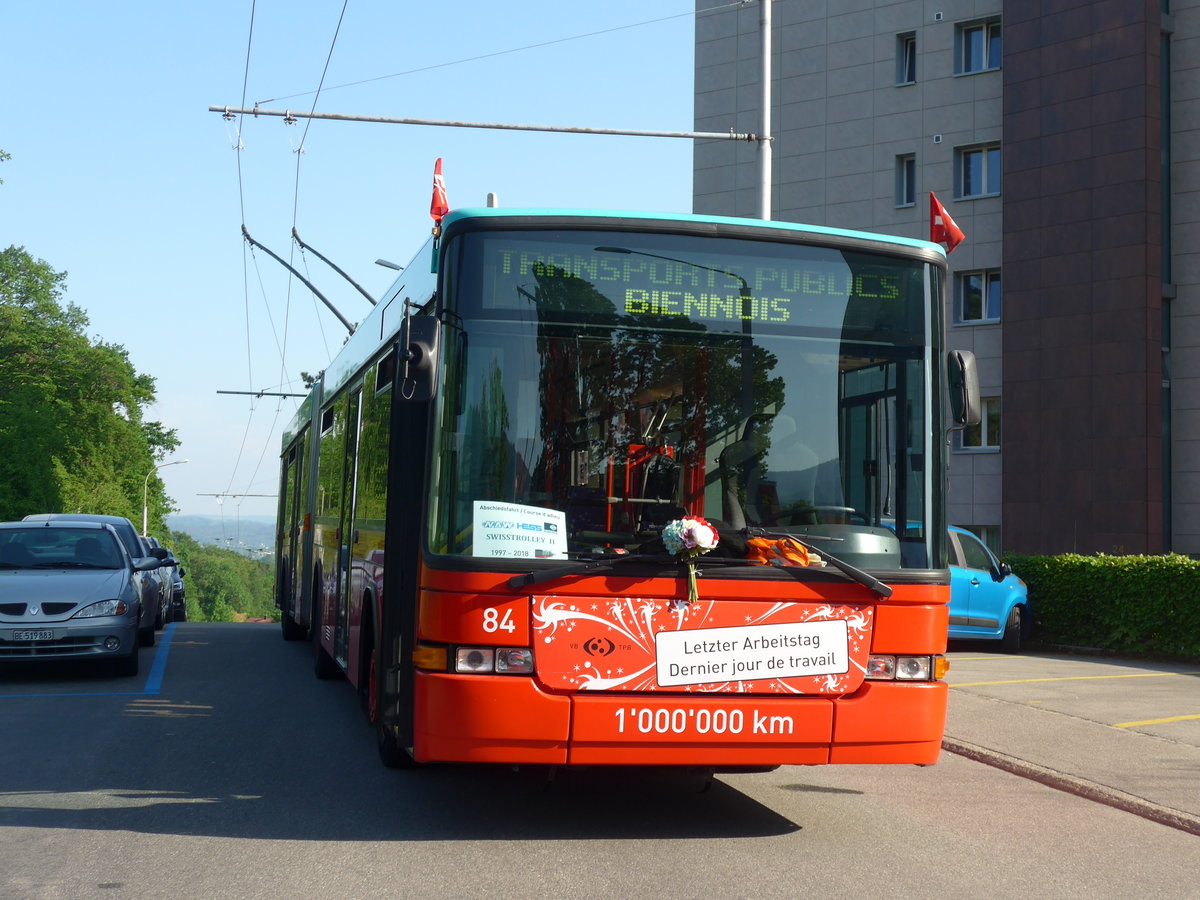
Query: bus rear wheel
(291, 630)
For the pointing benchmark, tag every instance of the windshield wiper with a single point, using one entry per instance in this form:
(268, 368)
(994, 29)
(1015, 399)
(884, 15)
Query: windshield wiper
(854, 573)
(575, 568)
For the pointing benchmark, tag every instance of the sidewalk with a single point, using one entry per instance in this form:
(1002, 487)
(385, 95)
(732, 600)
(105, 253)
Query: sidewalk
(1053, 719)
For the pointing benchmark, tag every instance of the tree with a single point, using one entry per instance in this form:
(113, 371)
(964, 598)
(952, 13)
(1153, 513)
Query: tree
(222, 585)
(72, 433)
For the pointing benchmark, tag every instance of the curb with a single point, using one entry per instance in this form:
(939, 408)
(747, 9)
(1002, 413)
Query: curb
(1080, 787)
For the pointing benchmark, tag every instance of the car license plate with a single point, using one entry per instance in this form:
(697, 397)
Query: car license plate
(45, 635)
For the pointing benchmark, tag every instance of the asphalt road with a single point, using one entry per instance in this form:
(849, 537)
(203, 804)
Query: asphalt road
(227, 771)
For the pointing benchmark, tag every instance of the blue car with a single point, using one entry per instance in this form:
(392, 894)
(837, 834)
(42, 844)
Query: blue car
(987, 601)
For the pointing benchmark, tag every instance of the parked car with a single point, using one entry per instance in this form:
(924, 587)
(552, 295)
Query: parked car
(178, 599)
(166, 582)
(153, 602)
(70, 590)
(987, 601)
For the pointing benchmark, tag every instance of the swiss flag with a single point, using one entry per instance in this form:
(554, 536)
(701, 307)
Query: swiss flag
(942, 229)
(438, 206)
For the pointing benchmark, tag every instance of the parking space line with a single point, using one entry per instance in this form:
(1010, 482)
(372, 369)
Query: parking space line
(1075, 678)
(151, 688)
(1156, 721)
(154, 682)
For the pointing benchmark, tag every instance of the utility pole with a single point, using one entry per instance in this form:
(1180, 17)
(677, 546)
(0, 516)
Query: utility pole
(764, 137)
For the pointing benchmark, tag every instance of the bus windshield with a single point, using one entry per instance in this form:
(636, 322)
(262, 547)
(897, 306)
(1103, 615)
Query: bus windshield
(597, 385)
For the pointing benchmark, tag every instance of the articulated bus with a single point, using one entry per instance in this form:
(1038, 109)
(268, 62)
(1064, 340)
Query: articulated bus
(482, 498)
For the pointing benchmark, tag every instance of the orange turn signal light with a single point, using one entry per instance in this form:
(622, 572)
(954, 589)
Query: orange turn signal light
(432, 659)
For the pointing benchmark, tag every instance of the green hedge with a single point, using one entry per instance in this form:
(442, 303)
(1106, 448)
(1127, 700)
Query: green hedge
(1146, 605)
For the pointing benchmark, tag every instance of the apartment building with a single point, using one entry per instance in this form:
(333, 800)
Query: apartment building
(1064, 139)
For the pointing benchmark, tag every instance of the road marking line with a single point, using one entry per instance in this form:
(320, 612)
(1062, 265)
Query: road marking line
(152, 687)
(1156, 721)
(1074, 678)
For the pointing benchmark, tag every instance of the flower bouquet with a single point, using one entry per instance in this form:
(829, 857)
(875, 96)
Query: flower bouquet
(688, 538)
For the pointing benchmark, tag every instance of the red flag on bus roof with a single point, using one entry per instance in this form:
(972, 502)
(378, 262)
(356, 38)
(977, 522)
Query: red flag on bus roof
(942, 228)
(438, 206)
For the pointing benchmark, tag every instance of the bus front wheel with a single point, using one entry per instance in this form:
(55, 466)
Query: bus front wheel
(391, 754)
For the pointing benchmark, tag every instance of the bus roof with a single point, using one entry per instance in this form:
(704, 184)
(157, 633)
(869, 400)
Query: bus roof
(602, 216)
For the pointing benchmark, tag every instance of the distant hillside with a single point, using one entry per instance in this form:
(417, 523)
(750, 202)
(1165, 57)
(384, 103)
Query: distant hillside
(249, 533)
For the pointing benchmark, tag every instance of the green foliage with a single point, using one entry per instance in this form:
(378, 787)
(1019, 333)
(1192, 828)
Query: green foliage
(223, 586)
(1147, 605)
(72, 433)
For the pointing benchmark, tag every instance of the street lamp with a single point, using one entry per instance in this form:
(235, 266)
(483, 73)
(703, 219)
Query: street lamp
(146, 489)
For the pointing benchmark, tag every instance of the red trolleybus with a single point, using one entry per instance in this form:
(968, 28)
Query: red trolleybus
(481, 498)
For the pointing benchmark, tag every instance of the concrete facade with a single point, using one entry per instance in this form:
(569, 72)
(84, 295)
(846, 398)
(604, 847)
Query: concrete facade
(1099, 446)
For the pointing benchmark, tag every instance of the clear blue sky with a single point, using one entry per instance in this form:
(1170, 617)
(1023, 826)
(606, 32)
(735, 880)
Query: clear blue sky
(122, 178)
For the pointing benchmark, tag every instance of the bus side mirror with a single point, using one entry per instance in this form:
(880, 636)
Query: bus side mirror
(417, 357)
(965, 407)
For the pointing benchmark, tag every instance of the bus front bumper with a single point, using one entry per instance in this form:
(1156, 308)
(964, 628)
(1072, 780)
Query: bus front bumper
(510, 719)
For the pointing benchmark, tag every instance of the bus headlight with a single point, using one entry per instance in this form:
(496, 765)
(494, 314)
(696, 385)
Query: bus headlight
(474, 659)
(913, 668)
(514, 660)
(493, 660)
(906, 668)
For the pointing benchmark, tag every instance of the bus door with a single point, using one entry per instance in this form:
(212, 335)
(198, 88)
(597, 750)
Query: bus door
(868, 408)
(289, 530)
(341, 640)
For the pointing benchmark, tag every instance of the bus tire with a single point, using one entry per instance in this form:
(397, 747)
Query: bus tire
(323, 665)
(288, 626)
(290, 630)
(391, 754)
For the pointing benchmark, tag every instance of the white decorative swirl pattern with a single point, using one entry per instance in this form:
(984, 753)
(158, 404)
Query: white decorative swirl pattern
(618, 653)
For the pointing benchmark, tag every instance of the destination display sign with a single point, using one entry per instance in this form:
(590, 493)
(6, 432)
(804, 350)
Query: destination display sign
(813, 286)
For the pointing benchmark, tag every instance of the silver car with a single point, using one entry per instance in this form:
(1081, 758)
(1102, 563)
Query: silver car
(69, 590)
(149, 585)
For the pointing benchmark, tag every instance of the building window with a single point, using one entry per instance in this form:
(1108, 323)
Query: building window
(988, 534)
(978, 171)
(979, 296)
(985, 435)
(906, 58)
(906, 180)
(978, 47)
